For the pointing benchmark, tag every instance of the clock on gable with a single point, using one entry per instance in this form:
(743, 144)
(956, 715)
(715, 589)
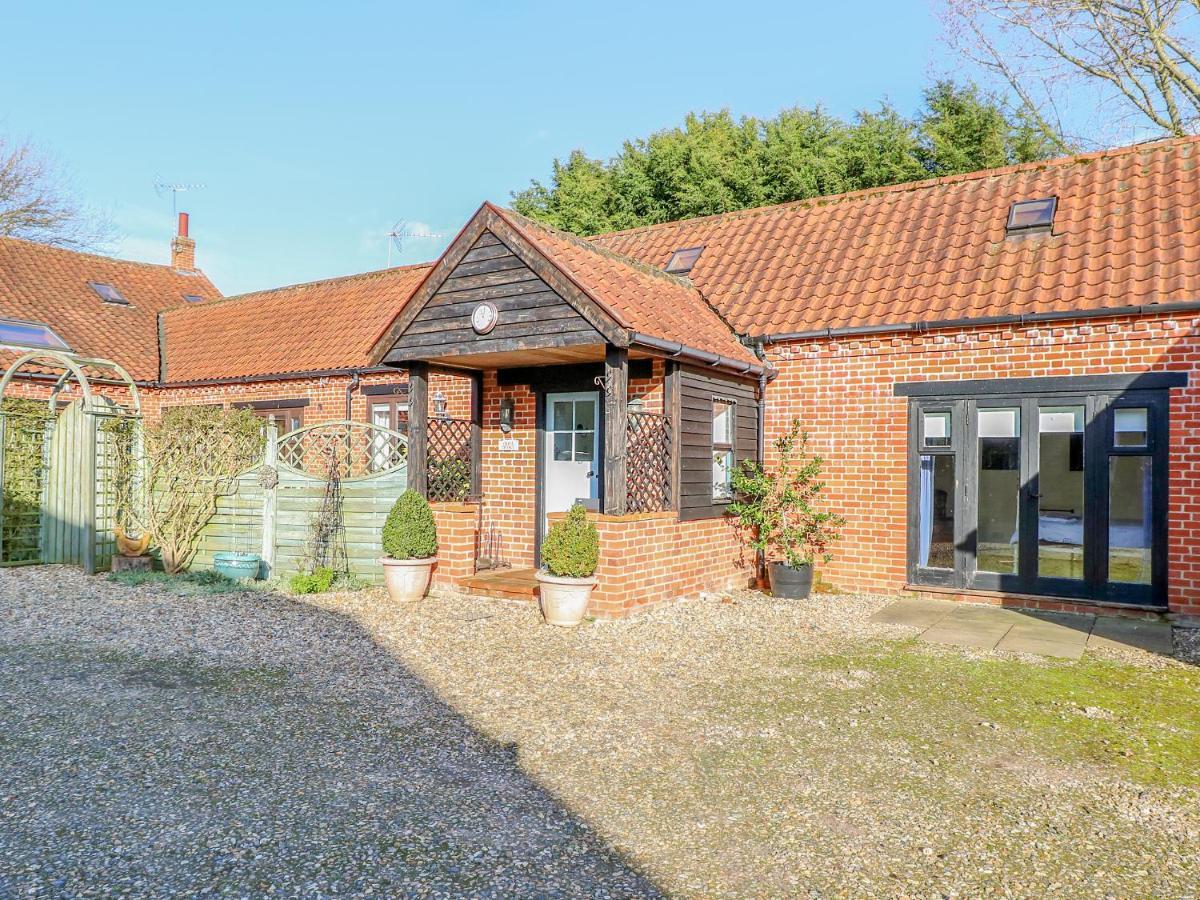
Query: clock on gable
(484, 317)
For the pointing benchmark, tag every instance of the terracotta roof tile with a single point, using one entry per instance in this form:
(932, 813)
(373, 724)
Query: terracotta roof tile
(1126, 233)
(309, 327)
(639, 296)
(50, 285)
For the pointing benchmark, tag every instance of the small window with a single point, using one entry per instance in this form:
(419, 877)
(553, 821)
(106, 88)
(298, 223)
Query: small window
(1131, 427)
(935, 428)
(193, 298)
(30, 334)
(723, 415)
(108, 293)
(682, 261)
(1032, 215)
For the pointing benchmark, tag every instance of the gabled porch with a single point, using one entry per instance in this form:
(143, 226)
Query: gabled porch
(572, 401)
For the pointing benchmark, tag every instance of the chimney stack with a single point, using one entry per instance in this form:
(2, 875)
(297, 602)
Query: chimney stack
(183, 248)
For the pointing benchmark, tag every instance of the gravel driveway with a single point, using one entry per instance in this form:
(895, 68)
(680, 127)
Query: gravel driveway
(252, 744)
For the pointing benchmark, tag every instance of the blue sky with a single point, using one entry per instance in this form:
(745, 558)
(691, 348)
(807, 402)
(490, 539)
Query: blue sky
(315, 126)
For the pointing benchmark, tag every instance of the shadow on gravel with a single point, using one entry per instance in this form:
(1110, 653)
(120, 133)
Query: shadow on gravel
(156, 774)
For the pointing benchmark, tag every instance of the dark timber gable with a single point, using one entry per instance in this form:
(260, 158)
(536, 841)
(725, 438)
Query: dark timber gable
(530, 310)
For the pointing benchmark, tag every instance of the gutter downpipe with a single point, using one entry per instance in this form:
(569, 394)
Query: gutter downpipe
(761, 452)
(355, 379)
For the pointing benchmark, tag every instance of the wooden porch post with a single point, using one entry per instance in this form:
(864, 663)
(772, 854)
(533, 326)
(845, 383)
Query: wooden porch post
(418, 427)
(616, 419)
(476, 435)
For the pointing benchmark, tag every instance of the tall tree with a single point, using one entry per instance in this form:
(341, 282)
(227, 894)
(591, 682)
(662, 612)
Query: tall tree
(715, 163)
(1139, 58)
(36, 205)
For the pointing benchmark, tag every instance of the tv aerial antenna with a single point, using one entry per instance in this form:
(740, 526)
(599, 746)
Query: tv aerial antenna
(402, 231)
(162, 187)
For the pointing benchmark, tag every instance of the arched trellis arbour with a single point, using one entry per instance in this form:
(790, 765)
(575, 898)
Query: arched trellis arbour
(58, 505)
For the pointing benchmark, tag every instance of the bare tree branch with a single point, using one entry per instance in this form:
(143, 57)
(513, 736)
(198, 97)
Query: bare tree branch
(36, 205)
(1142, 57)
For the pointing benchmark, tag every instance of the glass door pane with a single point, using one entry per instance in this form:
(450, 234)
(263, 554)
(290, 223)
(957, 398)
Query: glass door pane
(999, 473)
(1130, 530)
(1061, 492)
(935, 512)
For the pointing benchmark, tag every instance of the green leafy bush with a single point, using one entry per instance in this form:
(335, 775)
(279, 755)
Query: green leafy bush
(572, 548)
(778, 507)
(410, 532)
(316, 582)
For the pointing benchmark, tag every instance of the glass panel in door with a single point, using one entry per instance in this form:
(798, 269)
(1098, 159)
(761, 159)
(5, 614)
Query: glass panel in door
(999, 473)
(1130, 529)
(1060, 500)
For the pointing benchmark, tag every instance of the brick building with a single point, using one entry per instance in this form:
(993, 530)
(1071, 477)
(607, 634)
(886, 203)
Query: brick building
(997, 368)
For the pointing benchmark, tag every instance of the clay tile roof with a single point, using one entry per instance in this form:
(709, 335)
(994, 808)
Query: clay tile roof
(639, 296)
(1126, 233)
(309, 327)
(50, 285)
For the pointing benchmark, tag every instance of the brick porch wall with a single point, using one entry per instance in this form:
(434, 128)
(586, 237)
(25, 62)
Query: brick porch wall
(842, 392)
(651, 558)
(458, 528)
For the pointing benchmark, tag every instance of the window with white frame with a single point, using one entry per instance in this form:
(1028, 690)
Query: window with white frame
(724, 413)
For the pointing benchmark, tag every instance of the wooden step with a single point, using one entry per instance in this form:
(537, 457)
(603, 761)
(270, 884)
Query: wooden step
(507, 584)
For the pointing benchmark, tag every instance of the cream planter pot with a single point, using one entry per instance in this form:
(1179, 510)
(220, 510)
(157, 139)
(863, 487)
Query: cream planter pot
(407, 579)
(564, 600)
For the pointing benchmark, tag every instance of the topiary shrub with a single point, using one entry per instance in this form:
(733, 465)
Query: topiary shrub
(410, 532)
(572, 548)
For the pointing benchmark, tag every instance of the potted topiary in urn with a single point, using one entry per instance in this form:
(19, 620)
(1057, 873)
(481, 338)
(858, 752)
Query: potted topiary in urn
(410, 547)
(570, 553)
(778, 509)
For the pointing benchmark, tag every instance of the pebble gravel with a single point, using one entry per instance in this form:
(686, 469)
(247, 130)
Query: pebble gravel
(251, 744)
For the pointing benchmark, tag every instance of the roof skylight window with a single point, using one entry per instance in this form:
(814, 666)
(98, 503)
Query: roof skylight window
(682, 261)
(108, 293)
(193, 298)
(30, 334)
(1026, 216)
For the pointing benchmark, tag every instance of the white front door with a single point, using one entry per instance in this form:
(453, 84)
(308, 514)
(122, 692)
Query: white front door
(572, 466)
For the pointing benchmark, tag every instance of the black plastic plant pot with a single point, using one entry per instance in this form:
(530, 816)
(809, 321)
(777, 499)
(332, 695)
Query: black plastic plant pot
(789, 582)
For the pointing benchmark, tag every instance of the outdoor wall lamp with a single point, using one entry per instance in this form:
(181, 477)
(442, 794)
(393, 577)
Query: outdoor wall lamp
(506, 414)
(439, 405)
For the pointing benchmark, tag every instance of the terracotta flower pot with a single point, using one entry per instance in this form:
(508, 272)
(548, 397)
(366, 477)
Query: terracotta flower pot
(407, 579)
(564, 600)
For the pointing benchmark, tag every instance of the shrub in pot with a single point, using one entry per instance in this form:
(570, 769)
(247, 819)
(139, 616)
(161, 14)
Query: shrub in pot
(409, 546)
(570, 554)
(778, 508)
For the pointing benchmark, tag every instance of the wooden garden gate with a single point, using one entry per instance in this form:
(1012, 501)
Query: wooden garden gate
(58, 505)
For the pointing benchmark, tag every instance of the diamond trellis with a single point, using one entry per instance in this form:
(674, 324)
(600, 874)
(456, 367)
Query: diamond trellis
(449, 461)
(648, 462)
(352, 449)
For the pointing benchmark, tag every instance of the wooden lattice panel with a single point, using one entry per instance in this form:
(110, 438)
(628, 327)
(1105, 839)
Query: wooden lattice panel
(449, 463)
(352, 449)
(648, 462)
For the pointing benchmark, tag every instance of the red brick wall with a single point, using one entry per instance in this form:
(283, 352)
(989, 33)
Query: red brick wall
(842, 392)
(457, 528)
(652, 558)
(326, 396)
(509, 479)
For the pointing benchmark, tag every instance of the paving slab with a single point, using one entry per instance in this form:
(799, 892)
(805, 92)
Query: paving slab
(961, 632)
(1044, 639)
(1113, 633)
(915, 612)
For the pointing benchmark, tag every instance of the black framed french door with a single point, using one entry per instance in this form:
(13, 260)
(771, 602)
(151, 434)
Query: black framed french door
(1038, 491)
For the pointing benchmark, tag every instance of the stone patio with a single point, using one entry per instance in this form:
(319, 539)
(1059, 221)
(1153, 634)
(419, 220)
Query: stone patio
(1064, 635)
